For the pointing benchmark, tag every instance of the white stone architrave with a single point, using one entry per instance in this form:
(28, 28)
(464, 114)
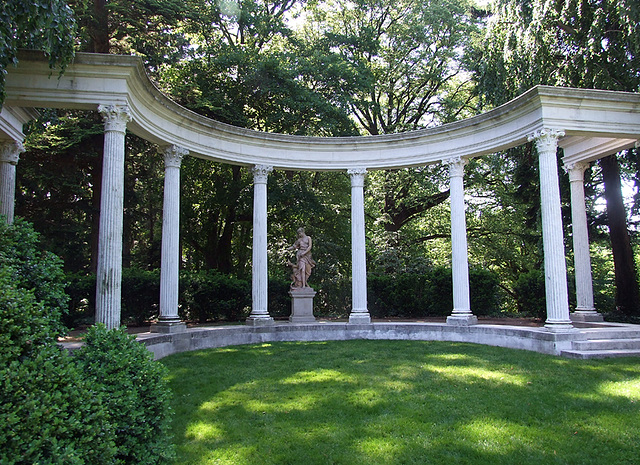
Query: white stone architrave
(259, 275)
(169, 321)
(461, 314)
(585, 309)
(109, 273)
(9, 155)
(555, 267)
(359, 312)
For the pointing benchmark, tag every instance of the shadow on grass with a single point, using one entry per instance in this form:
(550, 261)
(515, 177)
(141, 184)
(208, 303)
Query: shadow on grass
(402, 402)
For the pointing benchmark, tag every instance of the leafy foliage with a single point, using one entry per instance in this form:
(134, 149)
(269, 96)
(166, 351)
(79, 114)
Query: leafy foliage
(578, 43)
(415, 295)
(134, 391)
(31, 269)
(48, 413)
(46, 25)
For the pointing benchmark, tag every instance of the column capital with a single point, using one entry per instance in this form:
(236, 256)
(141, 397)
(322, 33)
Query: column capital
(357, 176)
(456, 165)
(576, 170)
(10, 152)
(261, 173)
(115, 117)
(173, 155)
(546, 138)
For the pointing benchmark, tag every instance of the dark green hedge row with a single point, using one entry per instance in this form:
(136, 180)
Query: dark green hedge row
(413, 295)
(211, 296)
(204, 296)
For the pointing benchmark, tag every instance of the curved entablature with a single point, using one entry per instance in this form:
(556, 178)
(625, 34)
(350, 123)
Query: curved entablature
(611, 118)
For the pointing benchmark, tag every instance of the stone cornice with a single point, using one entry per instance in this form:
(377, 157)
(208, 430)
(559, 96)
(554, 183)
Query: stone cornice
(94, 79)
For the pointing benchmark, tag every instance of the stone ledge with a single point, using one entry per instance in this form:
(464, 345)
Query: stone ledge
(514, 337)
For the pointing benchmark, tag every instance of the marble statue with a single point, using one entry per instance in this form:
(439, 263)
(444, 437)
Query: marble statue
(301, 270)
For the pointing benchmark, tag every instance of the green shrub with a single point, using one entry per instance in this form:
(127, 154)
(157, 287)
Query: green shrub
(135, 391)
(48, 413)
(279, 301)
(414, 295)
(81, 289)
(34, 269)
(140, 295)
(485, 292)
(211, 295)
(530, 294)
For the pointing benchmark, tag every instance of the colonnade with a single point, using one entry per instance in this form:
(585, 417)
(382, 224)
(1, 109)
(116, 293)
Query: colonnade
(109, 273)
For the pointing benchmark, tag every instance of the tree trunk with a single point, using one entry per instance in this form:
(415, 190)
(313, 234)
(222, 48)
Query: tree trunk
(627, 295)
(100, 31)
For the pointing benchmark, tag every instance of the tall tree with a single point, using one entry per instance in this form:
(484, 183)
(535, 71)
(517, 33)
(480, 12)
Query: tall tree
(397, 66)
(578, 43)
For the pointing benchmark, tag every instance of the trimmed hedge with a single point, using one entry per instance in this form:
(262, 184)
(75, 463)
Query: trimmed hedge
(109, 405)
(135, 391)
(412, 295)
(49, 413)
(207, 296)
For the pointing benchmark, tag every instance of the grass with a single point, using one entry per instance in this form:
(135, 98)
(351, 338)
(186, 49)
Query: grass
(402, 402)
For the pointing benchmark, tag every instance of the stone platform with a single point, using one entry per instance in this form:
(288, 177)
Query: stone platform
(586, 340)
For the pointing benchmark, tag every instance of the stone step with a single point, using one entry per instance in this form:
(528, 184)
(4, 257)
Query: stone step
(587, 354)
(607, 344)
(622, 333)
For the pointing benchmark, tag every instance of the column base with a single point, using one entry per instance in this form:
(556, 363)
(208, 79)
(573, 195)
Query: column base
(259, 320)
(559, 326)
(462, 319)
(359, 318)
(302, 305)
(168, 327)
(586, 316)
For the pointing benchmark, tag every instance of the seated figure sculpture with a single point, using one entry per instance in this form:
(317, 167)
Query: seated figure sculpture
(301, 269)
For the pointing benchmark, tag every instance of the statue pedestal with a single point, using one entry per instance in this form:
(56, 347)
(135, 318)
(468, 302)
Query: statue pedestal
(302, 305)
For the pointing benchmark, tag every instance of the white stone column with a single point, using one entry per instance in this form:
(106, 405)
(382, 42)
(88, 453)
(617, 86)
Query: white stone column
(9, 154)
(585, 310)
(109, 274)
(168, 321)
(359, 312)
(555, 268)
(260, 278)
(461, 314)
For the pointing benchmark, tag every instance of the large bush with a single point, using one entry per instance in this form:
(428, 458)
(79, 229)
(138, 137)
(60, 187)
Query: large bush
(49, 414)
(135, 391)
(33, 269)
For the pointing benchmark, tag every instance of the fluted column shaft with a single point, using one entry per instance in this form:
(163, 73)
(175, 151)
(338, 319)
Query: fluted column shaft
(461, 314)
(359, 312)
(109, 273)
(581, 255)
(259, 278)
(555, 268)
(170, 258)
(9, 154)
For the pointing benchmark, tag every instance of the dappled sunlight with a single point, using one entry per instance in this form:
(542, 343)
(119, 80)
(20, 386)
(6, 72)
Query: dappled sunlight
(628, 388)
(471, 374)
(201, 430)
(499, 436)
(367, 398)
(383, 449)
(318, 376)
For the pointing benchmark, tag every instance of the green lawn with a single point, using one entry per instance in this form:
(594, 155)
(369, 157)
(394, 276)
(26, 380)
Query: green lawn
(402, 402)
